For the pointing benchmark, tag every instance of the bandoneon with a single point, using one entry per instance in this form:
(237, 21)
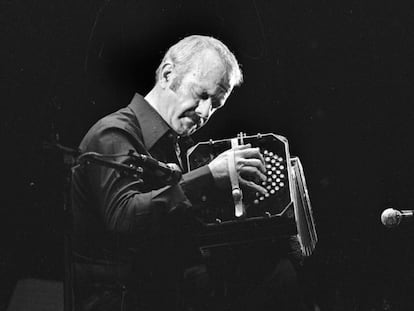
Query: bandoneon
(241, 215)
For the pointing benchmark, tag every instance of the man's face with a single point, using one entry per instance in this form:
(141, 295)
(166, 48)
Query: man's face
(201, 92)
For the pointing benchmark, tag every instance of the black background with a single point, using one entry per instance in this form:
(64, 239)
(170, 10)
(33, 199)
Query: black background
(335, 78)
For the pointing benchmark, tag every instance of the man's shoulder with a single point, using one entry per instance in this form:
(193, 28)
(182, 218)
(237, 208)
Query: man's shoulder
(123, 120)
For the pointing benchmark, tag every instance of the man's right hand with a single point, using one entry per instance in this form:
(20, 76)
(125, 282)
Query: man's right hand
(250, 168)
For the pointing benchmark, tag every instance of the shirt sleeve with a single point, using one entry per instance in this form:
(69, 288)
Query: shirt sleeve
(125, 204)
(195, 182)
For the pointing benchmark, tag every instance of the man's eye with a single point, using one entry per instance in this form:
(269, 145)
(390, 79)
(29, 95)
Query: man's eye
(204, 96)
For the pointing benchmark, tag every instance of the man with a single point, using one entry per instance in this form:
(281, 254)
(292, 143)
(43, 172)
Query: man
(131, 243)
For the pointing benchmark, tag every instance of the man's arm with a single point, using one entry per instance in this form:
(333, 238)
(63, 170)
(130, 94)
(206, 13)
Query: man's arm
(196, 182)
(125, 205)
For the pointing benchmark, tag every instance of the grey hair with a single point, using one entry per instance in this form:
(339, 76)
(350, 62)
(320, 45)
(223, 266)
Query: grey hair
(181, 55)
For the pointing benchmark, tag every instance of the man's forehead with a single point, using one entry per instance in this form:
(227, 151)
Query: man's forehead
(208, 61)
(209, 72)
(213, 86)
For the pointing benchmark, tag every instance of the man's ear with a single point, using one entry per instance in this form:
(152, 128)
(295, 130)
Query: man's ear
(166, 74)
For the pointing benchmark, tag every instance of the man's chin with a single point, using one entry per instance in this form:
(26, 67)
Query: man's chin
(188, 129)
(188, 132)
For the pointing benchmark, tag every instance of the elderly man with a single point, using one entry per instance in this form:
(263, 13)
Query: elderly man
(132, 241)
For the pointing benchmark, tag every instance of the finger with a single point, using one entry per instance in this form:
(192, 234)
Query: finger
(253, 172)
(251, 153)
(253, 162)
(252, 185)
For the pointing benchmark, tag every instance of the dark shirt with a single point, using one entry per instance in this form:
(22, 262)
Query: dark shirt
(114, 214)
(118, 219)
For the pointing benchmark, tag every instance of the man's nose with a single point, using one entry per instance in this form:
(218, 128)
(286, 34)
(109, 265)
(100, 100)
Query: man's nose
(203, 109)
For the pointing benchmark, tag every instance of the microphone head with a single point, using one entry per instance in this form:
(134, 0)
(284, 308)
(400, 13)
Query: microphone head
(390, 218)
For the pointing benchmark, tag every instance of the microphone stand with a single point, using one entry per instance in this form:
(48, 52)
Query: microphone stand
(69, 160)
(168, 174)
(96, 158)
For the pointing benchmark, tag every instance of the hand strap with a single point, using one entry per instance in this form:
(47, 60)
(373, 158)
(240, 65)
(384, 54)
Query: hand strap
(234, 180)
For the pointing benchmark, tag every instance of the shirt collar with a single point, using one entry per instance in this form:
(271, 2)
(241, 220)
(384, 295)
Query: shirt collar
(152, 124)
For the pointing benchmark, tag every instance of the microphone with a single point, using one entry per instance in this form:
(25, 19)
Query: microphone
(391, 218)
(171, 172)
